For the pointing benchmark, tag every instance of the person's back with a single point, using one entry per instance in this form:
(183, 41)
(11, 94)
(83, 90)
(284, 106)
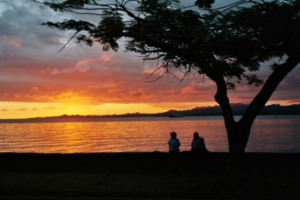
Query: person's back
(174, 143)
(201, 144)
(198, 144)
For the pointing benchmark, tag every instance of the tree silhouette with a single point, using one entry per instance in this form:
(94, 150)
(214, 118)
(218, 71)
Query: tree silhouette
(225, 43)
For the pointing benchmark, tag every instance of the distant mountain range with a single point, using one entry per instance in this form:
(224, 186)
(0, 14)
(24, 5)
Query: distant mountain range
(238, 109)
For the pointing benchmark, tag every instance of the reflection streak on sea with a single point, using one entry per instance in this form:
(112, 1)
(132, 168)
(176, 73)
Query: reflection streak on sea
(268, 135)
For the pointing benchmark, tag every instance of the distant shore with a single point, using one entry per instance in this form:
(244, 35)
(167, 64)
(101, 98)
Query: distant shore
(148, 175)
(237, 108)
(129, 117)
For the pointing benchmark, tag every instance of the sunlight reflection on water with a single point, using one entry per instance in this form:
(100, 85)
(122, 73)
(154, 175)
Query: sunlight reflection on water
(144, 135)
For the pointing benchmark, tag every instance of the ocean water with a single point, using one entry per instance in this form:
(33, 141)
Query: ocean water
(145, 134)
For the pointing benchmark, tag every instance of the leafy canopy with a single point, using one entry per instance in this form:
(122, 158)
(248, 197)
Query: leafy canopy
(227, 42)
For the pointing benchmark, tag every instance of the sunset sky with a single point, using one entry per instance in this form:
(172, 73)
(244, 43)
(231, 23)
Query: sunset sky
(36, 81)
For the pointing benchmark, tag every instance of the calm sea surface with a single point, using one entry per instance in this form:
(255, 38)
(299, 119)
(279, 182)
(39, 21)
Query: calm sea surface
(145, 134)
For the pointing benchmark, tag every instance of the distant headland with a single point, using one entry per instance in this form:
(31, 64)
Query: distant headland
(238, 109)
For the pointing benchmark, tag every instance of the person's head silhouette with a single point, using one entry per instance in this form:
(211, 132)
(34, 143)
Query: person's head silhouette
(196, 135)
(173, 134)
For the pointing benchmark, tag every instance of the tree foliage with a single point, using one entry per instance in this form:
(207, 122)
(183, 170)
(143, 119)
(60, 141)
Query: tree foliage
(230, 41)
(227, 43)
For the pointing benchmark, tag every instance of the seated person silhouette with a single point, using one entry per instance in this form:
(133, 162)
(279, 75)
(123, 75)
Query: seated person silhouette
(174, 143)
(198, 144)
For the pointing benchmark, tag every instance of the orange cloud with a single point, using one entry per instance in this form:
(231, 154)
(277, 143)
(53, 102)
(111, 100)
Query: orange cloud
(11, 40)
(106, 57)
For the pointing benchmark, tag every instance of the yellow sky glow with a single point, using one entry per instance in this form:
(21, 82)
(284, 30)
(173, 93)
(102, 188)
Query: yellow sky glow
(17, 110)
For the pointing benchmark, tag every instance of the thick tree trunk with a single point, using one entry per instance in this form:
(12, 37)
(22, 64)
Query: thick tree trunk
(236, 139)
(238, 135)
(238, 132)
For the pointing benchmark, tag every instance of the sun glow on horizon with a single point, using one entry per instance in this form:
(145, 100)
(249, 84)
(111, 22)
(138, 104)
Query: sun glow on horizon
(19, 110)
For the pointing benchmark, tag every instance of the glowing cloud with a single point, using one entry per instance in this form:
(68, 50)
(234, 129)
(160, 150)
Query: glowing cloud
(86, 80)
(11, 40)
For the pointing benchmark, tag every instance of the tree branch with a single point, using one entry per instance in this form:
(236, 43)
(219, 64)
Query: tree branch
(222, 99)
(130, 14)
(87, 13)
(68, 41)
(267, 90)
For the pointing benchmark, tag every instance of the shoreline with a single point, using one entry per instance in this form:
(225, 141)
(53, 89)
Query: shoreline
(112, 118)
(152, 175)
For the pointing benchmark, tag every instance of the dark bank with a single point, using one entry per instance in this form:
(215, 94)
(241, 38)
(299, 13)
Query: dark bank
(153, 175)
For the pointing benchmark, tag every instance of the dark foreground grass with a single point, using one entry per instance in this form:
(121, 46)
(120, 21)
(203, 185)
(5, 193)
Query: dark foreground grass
(154, 175)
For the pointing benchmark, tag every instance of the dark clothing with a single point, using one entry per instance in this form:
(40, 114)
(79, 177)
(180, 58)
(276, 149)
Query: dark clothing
(198, 145)
(174, 145)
